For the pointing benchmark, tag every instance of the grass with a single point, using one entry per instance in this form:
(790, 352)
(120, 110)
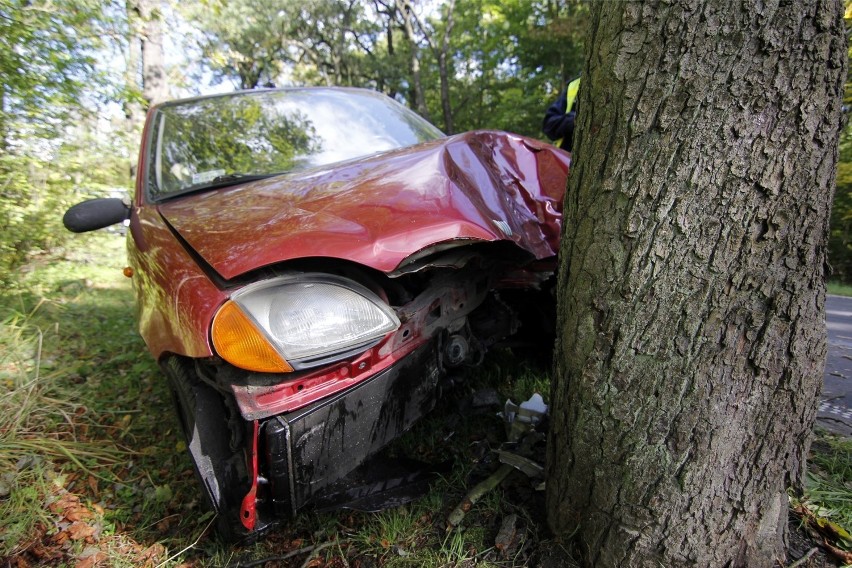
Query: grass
(829, 484)
(81, 414)
(93, 470)
(839, 289)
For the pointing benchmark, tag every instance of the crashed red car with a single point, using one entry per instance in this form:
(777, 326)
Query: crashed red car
(310, 264)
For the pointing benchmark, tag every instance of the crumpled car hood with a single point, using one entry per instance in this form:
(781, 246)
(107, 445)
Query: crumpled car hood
(376, 211)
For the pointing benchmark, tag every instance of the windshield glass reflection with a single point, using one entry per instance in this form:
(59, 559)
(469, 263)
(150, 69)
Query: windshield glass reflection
(215, 140)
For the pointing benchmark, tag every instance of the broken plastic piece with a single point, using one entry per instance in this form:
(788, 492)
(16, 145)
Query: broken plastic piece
(524, 417)
(522, 464)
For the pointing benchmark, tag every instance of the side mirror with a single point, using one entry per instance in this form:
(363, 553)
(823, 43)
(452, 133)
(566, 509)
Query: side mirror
(95, 214)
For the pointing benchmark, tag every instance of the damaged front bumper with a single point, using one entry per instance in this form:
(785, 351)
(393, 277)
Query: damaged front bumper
(310, 450)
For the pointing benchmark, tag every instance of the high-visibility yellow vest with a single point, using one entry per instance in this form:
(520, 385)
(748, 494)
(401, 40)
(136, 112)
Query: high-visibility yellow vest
(570, 97)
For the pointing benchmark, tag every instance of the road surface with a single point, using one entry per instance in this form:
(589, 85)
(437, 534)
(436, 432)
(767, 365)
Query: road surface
(835, 409)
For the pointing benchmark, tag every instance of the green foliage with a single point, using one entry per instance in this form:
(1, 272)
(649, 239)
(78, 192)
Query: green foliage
(240, 40)
(839, 289)
(47, 67)
(829, 484)
(47, 59)
(506, 60)
(512, 59)
(35, 192)
(257, 42)
(840, 237)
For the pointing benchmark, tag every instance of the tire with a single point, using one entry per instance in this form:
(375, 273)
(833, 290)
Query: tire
(204, 419)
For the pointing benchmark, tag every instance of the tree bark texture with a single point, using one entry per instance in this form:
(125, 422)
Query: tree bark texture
(691, 291)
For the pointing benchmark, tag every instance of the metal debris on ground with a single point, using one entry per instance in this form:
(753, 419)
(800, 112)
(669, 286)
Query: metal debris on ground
(521, 422)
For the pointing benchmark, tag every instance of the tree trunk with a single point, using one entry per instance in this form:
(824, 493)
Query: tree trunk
(133, 111)
(691, 291)
(4, 127)
(155, 87)
(405, 10)
(443, 57)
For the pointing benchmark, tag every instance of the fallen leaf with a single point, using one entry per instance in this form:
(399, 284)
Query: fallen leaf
(60, 537)
(93, 485)
(91, 560)
(152, 554)
(78, 514)
(80, 530)
(65, 502)
(833, 529)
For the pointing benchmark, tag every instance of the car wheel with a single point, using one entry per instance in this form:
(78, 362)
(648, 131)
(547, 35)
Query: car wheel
(209, 429)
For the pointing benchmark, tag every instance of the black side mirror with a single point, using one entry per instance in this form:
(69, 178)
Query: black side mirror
(95, 214)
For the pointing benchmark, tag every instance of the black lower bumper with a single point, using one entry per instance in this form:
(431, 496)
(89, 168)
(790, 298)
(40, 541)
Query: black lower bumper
(310, 449)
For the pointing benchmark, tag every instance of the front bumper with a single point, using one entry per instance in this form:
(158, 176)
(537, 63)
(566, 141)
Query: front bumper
(311, 448)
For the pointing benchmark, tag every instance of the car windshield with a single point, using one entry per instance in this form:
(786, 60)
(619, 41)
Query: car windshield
(221, 140)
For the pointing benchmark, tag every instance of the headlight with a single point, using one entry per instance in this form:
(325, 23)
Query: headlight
(297, 322)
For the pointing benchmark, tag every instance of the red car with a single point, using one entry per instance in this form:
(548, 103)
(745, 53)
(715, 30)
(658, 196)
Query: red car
(310, 263)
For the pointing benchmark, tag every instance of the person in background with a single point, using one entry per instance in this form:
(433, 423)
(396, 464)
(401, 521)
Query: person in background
(560, 116)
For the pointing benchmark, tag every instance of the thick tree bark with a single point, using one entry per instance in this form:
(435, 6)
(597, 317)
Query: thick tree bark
(691, 292)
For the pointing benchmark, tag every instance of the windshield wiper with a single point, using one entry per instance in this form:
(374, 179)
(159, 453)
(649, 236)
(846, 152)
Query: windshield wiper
(218, 182)
(236, 177)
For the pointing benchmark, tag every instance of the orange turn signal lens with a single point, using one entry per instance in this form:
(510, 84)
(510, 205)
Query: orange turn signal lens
(239, 342)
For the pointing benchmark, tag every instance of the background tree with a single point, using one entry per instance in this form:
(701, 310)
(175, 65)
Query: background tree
(46, 61)
(474, 63)
(330, 41)
(840, 239)
(145, 75)
(49, 86)
(154, 84)
(692, 279)
(243, 41)
(507, 60)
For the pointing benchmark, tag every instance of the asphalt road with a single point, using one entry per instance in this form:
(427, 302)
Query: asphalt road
(835, 408)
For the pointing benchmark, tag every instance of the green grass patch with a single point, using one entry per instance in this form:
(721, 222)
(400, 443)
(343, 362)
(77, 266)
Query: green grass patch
(829, 484)
(92, 462)
(839, 289)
